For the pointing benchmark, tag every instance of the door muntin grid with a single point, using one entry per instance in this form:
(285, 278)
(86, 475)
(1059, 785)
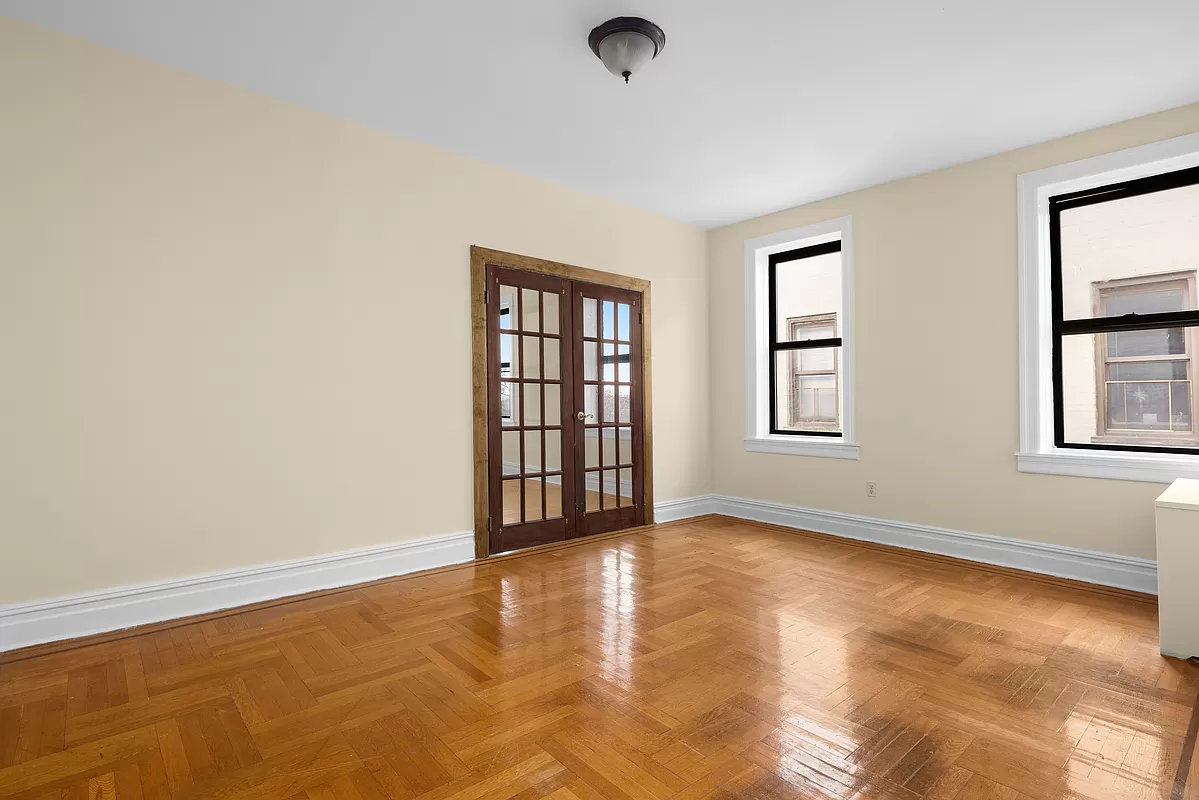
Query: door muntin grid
(532, 402)
(611, 406)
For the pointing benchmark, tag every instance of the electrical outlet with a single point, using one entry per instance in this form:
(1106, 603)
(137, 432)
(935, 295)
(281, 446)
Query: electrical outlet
(871, 489)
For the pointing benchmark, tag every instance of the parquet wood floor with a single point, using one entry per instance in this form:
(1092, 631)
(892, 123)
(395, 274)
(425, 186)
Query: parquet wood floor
(713, 659)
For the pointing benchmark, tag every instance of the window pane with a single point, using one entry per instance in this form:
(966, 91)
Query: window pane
(622, 321)
(807, 293)
(808, 399)
(1142, 403)
(1103, 245)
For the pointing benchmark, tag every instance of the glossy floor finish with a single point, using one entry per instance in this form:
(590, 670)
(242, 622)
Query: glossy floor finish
(710, 659)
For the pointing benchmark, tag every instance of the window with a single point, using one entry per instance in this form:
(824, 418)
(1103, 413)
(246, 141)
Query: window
(805, 293)
(799, 375)
(1110, 315)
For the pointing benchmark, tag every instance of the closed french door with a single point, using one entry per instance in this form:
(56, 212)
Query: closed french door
(565, 427)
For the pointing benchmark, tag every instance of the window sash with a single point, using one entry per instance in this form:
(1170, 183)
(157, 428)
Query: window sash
(1100, 326)
(775, 346)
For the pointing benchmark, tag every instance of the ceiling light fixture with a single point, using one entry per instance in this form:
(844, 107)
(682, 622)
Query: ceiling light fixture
(624, 44)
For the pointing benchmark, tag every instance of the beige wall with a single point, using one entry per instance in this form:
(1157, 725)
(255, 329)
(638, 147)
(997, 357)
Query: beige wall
(234, 331)
(935, 264)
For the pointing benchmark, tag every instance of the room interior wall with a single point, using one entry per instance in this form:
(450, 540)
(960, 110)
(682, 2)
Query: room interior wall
(236, 331)
(935, 310)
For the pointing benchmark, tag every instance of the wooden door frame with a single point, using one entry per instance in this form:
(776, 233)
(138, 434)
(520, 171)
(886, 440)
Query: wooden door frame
(480, 257)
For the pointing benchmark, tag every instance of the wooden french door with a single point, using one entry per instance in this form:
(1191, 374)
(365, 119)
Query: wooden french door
(565, 416)
(607, 400)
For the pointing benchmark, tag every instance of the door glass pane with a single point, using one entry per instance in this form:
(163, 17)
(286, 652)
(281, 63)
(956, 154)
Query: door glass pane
(610, 495)
(591, 403)
(624, 406)
(532, 357)
(553, 451)
(532, 451)
(530, 310)
(533, 499)
(510, 444)
(625, 445)
(609, 440)
(592, 485)
(532, 403)
(509, 356)
(622, 363)
(609, 321)
(511, 502)
(553, 497)
(553, 404)
(590, 357)
(509, 404)
(622, 321)
(609, 362)
(553, 369)
(626, 487)
(589, 317)
(609, 404)
(591, 447)
(550, 312)
(507, 307)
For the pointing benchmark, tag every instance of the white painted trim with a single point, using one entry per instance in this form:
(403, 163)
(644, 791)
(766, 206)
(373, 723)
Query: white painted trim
(1037, 452)
(757, 355)
(1090, 566)
(802, 446)
(25, 624)
(1146, 467)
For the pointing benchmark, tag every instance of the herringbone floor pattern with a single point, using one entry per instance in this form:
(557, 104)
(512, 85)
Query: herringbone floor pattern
(712, 659)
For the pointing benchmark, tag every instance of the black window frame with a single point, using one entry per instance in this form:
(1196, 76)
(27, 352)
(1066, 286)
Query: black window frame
(776, 346)
(1103, 325)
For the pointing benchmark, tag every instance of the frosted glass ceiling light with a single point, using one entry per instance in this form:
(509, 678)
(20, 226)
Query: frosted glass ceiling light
(625, 44)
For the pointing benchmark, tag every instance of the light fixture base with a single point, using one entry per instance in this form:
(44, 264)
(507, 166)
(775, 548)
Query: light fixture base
(621, 28)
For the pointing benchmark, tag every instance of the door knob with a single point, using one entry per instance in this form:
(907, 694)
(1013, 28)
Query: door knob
(581, 416)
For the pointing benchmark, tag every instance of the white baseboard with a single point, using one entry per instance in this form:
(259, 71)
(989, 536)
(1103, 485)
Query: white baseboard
(671, 510)
(27, 624)
(1104, 569)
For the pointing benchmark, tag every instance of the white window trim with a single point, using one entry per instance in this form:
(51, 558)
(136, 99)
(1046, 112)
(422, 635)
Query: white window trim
(758, 438)
(1037, 452)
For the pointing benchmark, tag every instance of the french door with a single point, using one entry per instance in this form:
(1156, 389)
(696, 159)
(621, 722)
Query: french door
(565, 416)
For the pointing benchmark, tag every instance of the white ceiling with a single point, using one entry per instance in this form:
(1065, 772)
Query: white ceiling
(753, 106)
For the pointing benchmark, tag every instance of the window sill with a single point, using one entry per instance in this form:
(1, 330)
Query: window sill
(817, 446)
(1145, 467)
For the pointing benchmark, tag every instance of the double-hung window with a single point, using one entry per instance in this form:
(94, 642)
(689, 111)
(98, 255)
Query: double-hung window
(799, 368)
(1110, 336)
